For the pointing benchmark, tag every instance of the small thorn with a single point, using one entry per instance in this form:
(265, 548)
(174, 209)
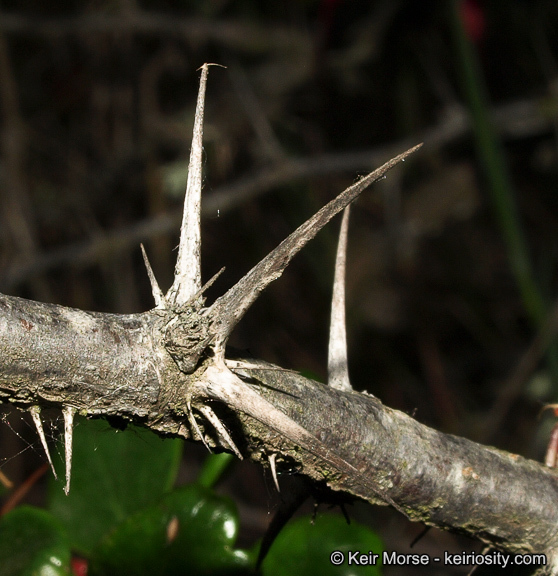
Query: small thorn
(194, 426)
(240, 365)
(272, 459)
(337, 365)
(244, 365)
(218, 425)
(207, 285)
(5, 481)
(158, 295)
(68, 413)
(35, 412)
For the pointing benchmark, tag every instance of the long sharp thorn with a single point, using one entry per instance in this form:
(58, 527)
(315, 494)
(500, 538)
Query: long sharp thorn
(158, 295)
(68, 413)
(337, 365)
(228, 310)
(35, 412)
(187, 274)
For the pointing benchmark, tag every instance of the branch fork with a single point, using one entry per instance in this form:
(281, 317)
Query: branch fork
(195, 336)
(195, 332)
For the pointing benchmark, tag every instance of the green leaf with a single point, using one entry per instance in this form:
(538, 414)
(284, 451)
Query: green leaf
(306, 548)
(213, 468)
(191, 530)
(33, 543)
(114, 474)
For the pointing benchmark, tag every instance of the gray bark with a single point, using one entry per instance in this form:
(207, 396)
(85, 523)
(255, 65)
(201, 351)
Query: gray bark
(107, 364)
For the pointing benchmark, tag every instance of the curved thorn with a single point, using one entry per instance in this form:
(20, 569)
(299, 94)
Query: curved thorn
(158, 295)
(218, 425)
(68, 413)
(35, 412)
(272, 459)
(337, 363)
(231, 307)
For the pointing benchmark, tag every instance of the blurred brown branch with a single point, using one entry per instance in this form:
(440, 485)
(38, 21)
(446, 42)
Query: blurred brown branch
(518, 119)
(234, 33)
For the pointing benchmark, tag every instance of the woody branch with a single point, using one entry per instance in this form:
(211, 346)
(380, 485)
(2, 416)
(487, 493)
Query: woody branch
(168, 370)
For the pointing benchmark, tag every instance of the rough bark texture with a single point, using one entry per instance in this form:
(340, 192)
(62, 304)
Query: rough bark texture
(105, 364)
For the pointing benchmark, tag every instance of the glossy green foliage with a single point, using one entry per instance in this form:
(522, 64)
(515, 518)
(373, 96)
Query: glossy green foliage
(306, 548)
(114, 474)
(191, 530)
(33, 543)
(213, 468)
(124, 518)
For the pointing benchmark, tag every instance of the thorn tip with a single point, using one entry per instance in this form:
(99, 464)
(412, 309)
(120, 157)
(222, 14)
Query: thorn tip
(229, 309)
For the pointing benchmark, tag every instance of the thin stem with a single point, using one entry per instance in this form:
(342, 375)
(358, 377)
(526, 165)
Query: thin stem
(500, 186)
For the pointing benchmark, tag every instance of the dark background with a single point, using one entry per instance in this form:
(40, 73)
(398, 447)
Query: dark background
(96, 110)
